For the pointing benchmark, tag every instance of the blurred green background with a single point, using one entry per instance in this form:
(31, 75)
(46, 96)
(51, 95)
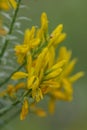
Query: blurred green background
(73, 15)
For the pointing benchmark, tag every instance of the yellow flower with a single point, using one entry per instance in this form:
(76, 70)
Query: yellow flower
(35, 38)
(57, 36)
(65, 79)
(13, 3)
(11, 90)
(30, 42)
(6, 4)
(19, 75)
(44, 73)
(75, 77)
(25, 110)
(21, 51)
(39, 73)
(44, 22)
(37, 94)
(44, 27)
(53, 74)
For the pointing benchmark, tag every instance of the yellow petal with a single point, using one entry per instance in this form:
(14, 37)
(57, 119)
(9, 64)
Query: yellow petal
(27, 37)
(30, 82)
(13, 3)
(4, 5)
(58, 65)
(35, 42)
(19, 75)
(69, 68)
(76, 76)
(60, 38)
(57, 30)
(51, 56)
(40, 60)
(32, 32)
(37, 94)
(44, 22)
(67, 87)
(21, 49)
(51, 83)
(36, 83)
(29, 62)
(64, 54)
(41, 74)
(53, 74)
(59, 95)
(57, 36)
(19, 86)
(25, 110)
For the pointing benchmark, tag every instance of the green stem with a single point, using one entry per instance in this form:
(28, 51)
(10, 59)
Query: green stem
(10, 30)
(7, 79)
(3, 111)
(9, 119)
(6, 109)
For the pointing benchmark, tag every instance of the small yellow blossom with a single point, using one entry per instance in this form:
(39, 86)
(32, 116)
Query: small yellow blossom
(37, 94)
(57, 36)
(6, 4)
(13, 3)
(25, 110)
(53, 74)
(44, 22)
(40, 59)
(12, 89)
(75, 77)
(19, 75)
(30, 42)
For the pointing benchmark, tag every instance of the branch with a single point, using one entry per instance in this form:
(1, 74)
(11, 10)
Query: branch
(7, 79)
(10, 30)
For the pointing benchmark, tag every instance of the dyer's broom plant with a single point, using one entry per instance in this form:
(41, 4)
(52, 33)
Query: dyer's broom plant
(43, 73)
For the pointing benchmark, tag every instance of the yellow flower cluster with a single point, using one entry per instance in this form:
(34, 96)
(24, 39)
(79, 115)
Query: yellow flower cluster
(6, 4)
(44, 73)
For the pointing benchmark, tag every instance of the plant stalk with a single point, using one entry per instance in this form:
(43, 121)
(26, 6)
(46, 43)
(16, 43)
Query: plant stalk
(10, 30)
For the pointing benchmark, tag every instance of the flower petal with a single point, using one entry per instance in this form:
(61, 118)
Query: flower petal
(19, 75)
